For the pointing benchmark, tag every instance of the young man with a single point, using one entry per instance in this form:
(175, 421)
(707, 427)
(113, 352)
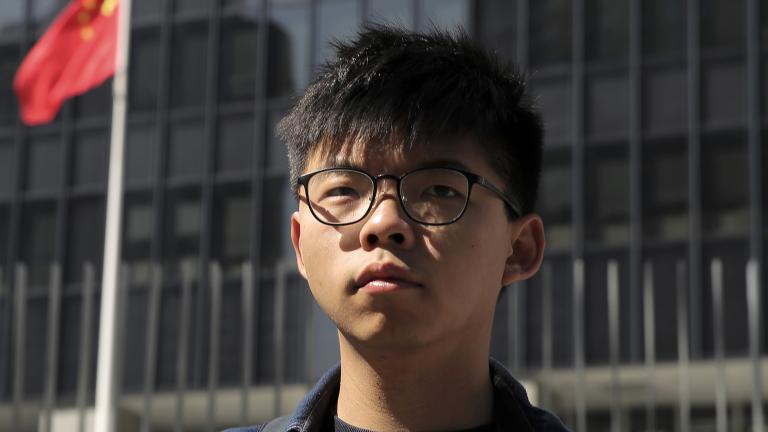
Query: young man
(415, 159)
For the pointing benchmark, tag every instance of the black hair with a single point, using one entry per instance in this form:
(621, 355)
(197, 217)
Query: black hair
(391, 86)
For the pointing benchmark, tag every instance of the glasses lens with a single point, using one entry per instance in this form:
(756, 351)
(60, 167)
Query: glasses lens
(340, 196)
(435, 196)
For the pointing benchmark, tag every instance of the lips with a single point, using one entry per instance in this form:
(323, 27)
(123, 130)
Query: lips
(385, 277)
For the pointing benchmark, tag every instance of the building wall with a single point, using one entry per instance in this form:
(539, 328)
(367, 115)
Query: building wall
(654, 153)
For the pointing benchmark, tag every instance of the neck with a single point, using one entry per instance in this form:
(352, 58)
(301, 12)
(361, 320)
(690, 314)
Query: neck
(404, 391)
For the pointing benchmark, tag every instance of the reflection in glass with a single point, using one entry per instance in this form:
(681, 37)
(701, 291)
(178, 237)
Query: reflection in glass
(665, 190)
(43, 163)
(43, 11)
(4, 233)
(189, 53)
(84, 237)
(277, 154)
(137, 236)
(7, 170)
(38, 227)
(392, 11)
(554, 100)
(11, 16)
(235, 145)
(607, 196)
(9, 62)
(181, 231)
(96, 102)
(191, 5)
(499, 29)
(446, 14)
(723, 24)
(238, 59)
(90, 158)
(288, 49)
(146, 9)
(144, 69)
(665, 100)
(185, 156)
(663, 27)
(607, 29)
(725, 187)
(724, 94)
(608, 112)
(140, 151)
(232, 229)
(337, 19)
(550, 31)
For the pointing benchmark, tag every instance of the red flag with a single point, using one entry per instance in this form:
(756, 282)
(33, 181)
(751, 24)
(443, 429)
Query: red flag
(76, 53)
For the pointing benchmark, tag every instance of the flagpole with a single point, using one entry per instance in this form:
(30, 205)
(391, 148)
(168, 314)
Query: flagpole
(106, 374)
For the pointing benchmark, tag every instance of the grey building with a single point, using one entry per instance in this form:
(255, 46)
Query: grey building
(654, 197)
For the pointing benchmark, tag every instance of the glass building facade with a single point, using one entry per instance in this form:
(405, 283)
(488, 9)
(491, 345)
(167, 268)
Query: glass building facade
(655, 167)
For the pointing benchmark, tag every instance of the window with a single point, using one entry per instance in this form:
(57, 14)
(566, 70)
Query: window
(278, 204)
(232, 228)
(607, 29)
(725, 187)
(665, 190)
(725, 94)
(140, 154)
(191, 5)
(337, 19)
(238, 59)
(37, 251)
(555, 199)
(392, 11)
(550, 29)
(277, 154)
(91, 150)
(85, 237)
(288, 48)
(185, 157)
(96, 102)
(188, 64)
(663, 27)
(499, 29)
(554, 100)
(665, 107)
(181, 231)
(44, 167)
(446, 14)
(11, 16)
(7, 169)
(146, 9)
(607, 102)
(9, 62)
(607, 196)
(235, 146)
(138, 232)
(723, 24)
(43, 11)
(5, 231)
(144, 69)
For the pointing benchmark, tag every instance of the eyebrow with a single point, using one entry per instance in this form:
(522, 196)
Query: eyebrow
(341, 162)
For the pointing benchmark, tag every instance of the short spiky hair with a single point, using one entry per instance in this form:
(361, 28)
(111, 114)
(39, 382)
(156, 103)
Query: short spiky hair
(391, 85)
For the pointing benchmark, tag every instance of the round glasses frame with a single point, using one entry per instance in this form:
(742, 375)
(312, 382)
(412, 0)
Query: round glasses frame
(472, 179)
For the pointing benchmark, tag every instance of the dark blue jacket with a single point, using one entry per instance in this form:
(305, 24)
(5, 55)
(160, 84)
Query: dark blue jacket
(512, 410)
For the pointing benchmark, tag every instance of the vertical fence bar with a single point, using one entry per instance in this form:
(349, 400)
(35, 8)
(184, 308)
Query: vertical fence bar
(683, 354)
(546, 324)
(182, 347)
(213, 353)
(649, 331)
(613, 341)
(52, 346)
(755, 337)
(150, 356)
(86, 327)
(20, 319)
(279, 333)
(578, 344)
(123, 286)
(247, 340)
(721, 386)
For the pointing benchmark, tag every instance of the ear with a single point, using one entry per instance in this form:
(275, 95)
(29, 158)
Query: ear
(527, 249)
(295, 239)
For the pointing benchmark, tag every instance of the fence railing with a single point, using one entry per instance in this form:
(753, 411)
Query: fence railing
(282, 342)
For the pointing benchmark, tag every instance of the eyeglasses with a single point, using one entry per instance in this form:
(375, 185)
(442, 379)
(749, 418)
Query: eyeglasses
(430, 196)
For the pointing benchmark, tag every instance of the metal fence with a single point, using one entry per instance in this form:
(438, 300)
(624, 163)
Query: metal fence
(211, 404)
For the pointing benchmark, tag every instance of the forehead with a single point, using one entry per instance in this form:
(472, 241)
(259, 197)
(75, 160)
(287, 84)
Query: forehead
(396, 157)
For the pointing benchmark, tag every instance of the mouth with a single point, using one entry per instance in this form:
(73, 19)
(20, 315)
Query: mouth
(380, 278)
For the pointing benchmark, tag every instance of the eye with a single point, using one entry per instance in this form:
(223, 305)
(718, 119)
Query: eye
(342, 191)
(441, 191)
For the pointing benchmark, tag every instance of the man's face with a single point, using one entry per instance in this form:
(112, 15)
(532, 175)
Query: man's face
(389, 282)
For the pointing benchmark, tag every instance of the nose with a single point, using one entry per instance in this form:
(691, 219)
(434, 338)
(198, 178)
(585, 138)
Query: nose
(387, 225)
